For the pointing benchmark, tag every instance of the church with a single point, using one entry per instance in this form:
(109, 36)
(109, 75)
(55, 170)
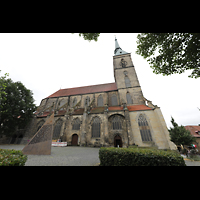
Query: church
(108, 115)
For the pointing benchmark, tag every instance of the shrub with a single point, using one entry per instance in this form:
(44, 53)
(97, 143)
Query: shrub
(139, 157)
(12, 157)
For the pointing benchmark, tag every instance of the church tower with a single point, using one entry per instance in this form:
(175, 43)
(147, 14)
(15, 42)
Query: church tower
(126, 78)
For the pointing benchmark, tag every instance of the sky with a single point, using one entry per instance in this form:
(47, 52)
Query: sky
(47, 62)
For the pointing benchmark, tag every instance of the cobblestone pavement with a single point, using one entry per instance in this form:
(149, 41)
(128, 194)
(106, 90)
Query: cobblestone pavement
(69, 156)
(62, 156)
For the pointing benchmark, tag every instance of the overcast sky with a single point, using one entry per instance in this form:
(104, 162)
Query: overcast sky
(46, 62)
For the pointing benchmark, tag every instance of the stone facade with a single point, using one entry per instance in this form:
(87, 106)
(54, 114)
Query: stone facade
(105, 115)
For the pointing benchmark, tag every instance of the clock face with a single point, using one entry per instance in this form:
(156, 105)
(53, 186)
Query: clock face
(123, 63)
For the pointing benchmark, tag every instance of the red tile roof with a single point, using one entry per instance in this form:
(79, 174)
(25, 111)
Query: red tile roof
(84, 90)
(115, 108)
(138, 107)
(193, 130)
(97, 110)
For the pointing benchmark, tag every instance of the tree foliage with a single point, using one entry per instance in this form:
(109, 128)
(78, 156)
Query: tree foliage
(90, 36)
(179, 135)
(177, 52)
(17, 107)
(2, 87)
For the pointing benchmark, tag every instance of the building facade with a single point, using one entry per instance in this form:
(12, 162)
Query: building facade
(112, 114)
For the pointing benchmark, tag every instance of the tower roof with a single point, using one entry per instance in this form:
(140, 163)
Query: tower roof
(118, 50)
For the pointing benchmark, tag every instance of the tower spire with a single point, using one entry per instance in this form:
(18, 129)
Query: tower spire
(118, 50)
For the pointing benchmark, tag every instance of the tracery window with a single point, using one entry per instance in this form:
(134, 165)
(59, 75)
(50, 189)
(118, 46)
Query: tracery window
(76, 124)
(114, 100)
(96, 127)
(57, 129)
(129, 99)
(117, 122)
(100, 100)
(144, 129)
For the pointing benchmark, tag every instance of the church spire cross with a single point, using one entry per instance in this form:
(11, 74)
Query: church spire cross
(118, 50)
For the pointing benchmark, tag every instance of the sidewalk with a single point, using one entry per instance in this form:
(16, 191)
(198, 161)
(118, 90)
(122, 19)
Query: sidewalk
(189, 162)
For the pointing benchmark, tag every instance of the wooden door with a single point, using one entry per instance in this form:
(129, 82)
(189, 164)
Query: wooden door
(117, 141)
(74, 140)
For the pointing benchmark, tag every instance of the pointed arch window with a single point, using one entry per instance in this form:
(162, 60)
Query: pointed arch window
(57, 129)
(96, 127)
(127, 81)
(114, 100)
(129, 99)
(144, 129)
(100, 100)
(76, 124)
(117, 123)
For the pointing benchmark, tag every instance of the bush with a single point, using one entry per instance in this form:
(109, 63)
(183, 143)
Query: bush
(12, 157)
(139, 157)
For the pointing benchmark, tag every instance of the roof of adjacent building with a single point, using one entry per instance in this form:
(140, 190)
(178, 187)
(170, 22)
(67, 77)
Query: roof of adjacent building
(84, 90)
(193, 130)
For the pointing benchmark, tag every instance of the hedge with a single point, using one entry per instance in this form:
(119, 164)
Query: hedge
(11, 157)
(112, 156)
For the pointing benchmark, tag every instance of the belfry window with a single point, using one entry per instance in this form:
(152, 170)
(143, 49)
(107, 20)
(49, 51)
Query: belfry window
(100, 100)
(144, 129)
(76, 124)
(96, 127)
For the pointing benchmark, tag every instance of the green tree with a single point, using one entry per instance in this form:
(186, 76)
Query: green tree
(90, 36)
(2, 86)
(17, 107)
(177, 52)
(179, 135)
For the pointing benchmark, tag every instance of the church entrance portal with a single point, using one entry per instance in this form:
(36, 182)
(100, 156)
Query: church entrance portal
(74, 140)
(117, 141)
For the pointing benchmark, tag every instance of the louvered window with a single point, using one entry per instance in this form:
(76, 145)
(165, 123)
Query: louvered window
(96, 127)
(114, 100)
(144, 129)
(100, 100)
(76, 124)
